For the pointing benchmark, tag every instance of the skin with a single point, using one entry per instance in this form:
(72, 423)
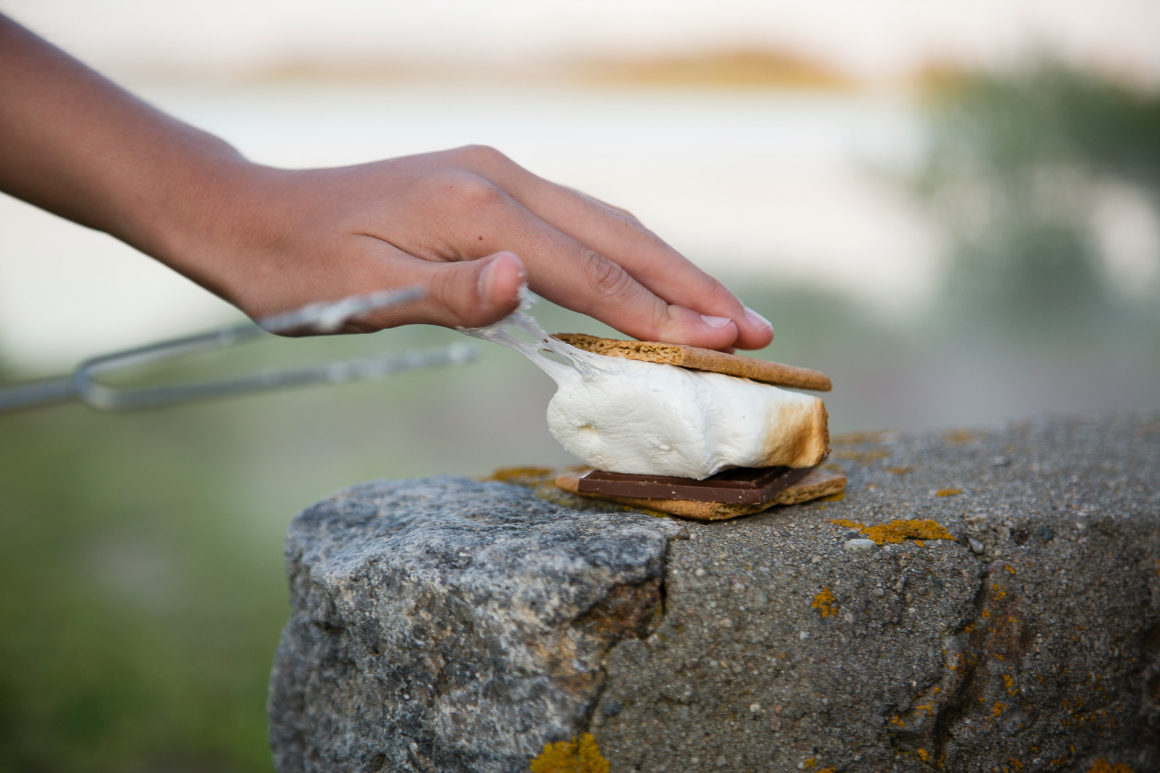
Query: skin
(468, 224)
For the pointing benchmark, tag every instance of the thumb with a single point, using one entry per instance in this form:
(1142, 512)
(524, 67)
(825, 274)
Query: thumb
(473, 293)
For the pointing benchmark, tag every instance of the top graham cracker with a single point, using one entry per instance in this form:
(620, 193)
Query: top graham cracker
(696, 358)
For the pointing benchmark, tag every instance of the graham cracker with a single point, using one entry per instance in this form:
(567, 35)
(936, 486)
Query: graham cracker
(819, 483)
(696, 358)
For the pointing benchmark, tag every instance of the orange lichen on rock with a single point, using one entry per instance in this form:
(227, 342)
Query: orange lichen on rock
(898, 530)
(824, 603)
(1103, 766)
(576, 756)
(521, 476)
(948, 492)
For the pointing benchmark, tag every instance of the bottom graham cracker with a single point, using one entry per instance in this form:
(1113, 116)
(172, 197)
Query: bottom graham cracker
(816, 484)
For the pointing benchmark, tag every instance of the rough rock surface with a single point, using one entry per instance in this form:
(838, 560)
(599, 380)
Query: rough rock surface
(452, 625)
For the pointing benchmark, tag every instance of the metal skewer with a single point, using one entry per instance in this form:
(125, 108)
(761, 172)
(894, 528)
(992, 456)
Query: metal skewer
(82, 385)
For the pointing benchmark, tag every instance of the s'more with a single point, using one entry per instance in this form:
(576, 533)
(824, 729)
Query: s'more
(689, 431)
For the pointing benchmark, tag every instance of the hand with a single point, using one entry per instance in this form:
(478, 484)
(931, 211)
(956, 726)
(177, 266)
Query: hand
(469, 225)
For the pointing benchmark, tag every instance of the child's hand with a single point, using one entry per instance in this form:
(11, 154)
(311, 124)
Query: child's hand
(471, 226)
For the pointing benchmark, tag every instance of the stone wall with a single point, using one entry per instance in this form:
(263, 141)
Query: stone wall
(984, 600)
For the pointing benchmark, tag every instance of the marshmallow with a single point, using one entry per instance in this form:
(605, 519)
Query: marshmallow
(649, 418)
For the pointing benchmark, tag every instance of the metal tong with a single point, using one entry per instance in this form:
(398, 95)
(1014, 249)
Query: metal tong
(82, 385)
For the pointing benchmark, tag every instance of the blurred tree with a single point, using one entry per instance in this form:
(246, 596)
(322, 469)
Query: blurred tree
(1013, 172)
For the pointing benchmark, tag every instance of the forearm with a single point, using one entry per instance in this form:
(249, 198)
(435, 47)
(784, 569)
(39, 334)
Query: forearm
(76, 144)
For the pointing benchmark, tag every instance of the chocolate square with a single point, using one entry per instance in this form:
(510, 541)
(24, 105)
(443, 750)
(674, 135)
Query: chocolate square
(743, 485)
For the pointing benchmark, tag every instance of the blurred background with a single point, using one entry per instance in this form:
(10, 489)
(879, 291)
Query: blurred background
(953, 209)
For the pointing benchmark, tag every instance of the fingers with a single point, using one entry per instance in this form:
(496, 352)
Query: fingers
(660, 268)
(567, 272)
(621, 240)
(570, 273)
(587, 281)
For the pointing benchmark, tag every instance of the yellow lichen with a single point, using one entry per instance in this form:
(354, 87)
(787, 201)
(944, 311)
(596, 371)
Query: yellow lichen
(810, 762)
(948, 492)
(998, 708)
(824, 603)
(575, 756)
(1009, 682)
(1103, 766)
(923, 754)
(898, 530)
(522, 476)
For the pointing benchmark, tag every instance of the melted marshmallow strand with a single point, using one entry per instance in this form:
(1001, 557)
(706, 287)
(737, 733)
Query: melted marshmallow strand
(646, 418)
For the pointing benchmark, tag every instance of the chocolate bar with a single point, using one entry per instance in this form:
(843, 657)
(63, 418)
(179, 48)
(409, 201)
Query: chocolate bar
(745, 485)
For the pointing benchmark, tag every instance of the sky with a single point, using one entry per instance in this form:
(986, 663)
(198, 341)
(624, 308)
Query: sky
(879, 40)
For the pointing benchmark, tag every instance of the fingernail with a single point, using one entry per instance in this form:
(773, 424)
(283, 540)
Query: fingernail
(486, 281)
(756, 319)
(716, 321)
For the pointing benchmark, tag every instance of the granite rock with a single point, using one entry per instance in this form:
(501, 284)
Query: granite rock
(453, 625)
(448, 624)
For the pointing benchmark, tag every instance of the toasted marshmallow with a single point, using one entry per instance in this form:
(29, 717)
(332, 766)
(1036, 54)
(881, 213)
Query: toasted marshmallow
(648, 418)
